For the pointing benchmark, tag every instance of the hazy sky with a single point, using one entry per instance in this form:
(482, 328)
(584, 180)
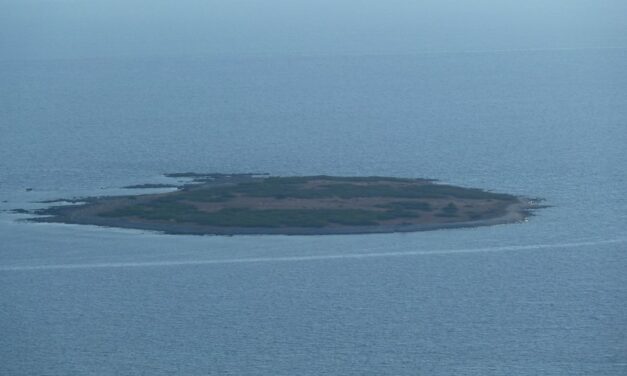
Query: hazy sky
(102, 28)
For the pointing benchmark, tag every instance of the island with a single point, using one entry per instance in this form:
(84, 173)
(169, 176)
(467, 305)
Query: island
(232, 204)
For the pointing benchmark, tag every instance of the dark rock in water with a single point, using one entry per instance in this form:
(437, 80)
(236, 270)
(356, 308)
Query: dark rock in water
(149, 185)
(189, 175)
(29, 189)
(70, 200)
(214, 177)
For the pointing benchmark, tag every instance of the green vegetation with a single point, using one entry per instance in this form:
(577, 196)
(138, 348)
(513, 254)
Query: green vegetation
(159, 210)
(293, 187)
(449, 210)
(240, 217)
(246, 200)
(408, 205)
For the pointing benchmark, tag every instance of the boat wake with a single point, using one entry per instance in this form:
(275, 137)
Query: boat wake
(248, 260)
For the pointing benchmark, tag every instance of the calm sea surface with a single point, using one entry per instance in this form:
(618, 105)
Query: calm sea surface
(546, 297)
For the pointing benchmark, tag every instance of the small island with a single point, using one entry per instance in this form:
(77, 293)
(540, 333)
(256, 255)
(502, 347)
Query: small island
(231, 204)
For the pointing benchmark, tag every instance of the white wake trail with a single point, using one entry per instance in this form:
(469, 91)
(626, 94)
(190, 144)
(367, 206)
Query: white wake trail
(510, 248)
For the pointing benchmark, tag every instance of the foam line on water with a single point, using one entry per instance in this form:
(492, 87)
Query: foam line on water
(509, 248)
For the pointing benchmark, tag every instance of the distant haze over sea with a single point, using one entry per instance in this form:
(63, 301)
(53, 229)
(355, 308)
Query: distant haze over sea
(42, 29)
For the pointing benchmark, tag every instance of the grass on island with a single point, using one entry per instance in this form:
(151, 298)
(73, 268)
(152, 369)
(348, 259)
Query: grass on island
(404, 199)
(292, 187)
(242, 217)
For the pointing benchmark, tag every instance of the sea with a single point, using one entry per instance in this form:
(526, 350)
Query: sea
(543, 297)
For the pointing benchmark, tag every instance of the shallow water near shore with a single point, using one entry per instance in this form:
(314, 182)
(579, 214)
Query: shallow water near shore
(547, 296)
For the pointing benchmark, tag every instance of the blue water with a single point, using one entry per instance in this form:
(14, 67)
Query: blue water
(545, 297)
